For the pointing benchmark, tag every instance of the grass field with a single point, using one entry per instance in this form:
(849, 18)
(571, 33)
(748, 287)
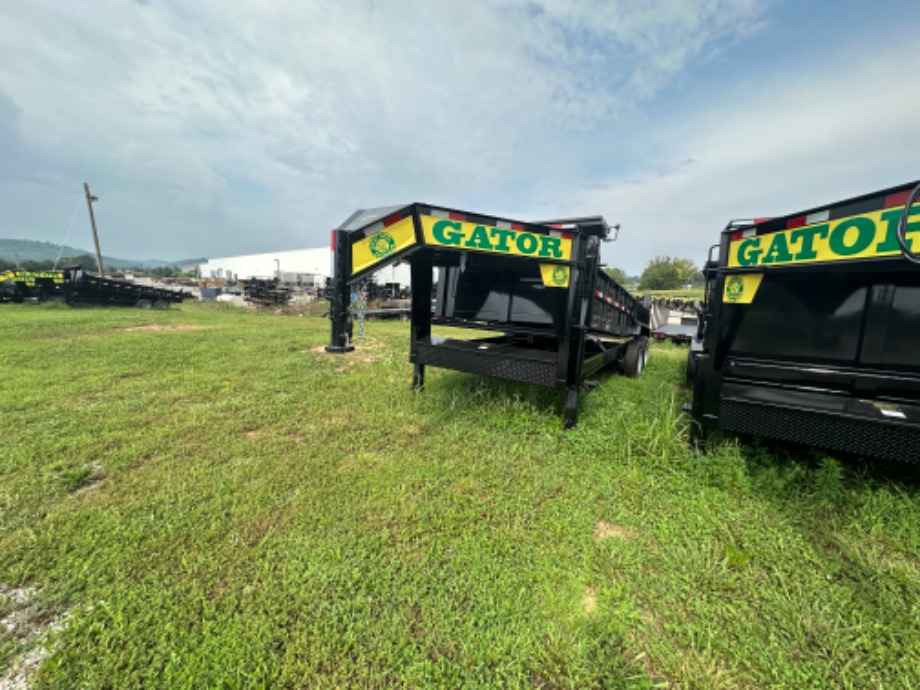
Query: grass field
(200, 497)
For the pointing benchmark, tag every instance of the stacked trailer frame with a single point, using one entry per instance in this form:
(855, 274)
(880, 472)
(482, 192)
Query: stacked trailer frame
(553, 317)
(810, 330)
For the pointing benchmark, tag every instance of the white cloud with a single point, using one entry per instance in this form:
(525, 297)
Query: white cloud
(766, 149)
(331, 106)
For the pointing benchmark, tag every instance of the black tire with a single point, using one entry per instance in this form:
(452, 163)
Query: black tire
(635, 358)
(691, 368)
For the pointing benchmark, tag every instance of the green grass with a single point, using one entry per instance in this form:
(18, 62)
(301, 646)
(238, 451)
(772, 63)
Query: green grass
(691, 294)
(215, 502)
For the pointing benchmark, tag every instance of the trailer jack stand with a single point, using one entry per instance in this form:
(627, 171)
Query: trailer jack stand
(418, 377)
(570, 415)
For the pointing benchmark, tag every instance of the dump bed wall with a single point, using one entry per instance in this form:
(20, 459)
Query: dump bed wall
(511, 292)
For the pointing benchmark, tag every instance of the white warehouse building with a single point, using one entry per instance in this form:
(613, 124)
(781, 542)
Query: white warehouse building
(305, 267)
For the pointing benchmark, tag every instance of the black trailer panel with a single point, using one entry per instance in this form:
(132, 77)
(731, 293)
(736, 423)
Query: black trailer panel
(811, 329)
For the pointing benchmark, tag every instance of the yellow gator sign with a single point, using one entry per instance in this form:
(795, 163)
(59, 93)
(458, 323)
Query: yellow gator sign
(854, 237)
(462, 235)
(382, 244)
(740, 289)
(485, 238)
(29, 277)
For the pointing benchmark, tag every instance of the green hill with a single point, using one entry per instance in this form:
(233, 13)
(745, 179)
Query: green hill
(14, 251)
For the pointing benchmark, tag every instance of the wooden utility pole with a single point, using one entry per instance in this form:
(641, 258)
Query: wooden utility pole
(92, 219)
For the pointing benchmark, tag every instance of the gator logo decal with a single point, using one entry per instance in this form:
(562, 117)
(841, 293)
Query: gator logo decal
(554, 275)
(560, 275)
(741, 289)
(382, 244)
(734, 289)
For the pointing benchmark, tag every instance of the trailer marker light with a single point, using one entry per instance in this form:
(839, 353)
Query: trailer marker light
(795, 222)
(456, 216)
(898, 199)
(818, 217)
(740, 234)
(389, 220)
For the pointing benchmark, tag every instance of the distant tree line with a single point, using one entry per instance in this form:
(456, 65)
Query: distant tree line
(47, 264)
(661, 273)
(88, 261)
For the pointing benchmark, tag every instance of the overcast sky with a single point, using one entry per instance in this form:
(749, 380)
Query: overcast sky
(211, 128)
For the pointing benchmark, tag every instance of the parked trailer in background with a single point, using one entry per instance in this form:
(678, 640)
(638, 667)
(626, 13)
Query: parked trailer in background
(75, 286)
(811, 328)
(554, 317)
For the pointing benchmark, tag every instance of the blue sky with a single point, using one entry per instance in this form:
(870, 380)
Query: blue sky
(214, 128)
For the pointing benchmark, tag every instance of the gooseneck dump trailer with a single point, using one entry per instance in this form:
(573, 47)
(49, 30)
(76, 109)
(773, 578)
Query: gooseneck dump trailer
(553, 317)
(811, 328)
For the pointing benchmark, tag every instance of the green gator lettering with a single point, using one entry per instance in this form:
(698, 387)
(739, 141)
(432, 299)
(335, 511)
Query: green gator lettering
(778, 252)
(479, 239)
(526, 244)
(807, 237)
(865, 234)
(501, 238)
(749, 252)
(449, 238)
(892, 218)
(550, 247)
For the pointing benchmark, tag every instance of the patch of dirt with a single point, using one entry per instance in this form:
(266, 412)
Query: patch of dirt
(32, 630)
(92, 481)
(162, 327)
(605, 530)
(589, 600)
(366, 350)
(260, 433)
(364, 359)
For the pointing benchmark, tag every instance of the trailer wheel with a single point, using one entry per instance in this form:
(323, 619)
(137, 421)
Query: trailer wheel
(691, 368)
(636, 357)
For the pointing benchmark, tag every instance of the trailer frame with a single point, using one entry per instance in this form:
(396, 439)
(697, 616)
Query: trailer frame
(552, 326)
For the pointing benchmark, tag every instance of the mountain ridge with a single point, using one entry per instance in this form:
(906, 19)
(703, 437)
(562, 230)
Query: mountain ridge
(16, 250)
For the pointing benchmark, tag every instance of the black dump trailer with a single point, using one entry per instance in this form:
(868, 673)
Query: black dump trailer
(80, 287)
(75, 286)
(553, 317)
(810, 331)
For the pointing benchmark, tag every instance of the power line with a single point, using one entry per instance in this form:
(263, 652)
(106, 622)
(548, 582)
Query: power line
(67, 234)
